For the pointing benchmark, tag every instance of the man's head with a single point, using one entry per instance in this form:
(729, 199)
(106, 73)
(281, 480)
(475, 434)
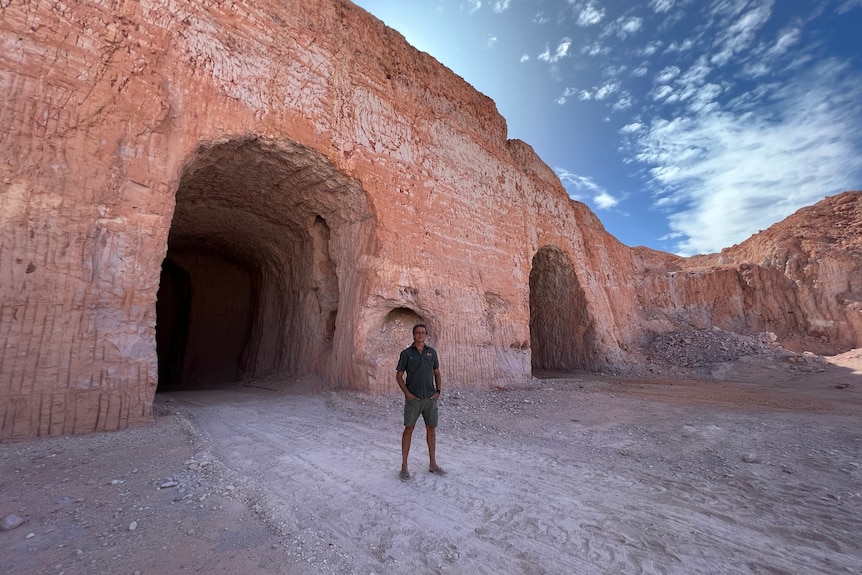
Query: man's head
(420, 332)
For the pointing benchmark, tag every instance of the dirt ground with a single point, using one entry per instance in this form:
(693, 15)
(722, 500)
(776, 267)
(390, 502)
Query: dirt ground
(749, 466)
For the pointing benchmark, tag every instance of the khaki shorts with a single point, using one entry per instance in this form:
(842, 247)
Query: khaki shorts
(427, 408)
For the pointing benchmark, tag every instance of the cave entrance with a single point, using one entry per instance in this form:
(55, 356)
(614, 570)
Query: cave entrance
(249, 287)
(561, 331)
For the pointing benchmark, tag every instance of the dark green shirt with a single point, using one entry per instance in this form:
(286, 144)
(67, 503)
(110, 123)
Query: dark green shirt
(420, 370)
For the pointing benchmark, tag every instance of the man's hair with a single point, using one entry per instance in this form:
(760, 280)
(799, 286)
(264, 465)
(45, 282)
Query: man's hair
(418, 325)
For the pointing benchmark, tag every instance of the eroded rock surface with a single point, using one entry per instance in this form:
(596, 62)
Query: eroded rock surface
(800, 279)
(198, 192)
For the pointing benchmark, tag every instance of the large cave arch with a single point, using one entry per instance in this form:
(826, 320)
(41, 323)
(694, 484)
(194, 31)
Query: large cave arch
(261, 234)
(561, 330)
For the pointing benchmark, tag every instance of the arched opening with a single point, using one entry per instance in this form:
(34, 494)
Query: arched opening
(384, 346)
(250, 284)
(561, 330)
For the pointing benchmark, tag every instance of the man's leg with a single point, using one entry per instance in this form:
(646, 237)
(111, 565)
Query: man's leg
(406, 437)
(431, 436)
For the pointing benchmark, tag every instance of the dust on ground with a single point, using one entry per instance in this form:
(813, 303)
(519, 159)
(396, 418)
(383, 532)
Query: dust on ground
(743, 466)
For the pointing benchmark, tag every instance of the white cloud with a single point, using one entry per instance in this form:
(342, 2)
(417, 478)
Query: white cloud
(675, 46)
(473, 6)
(605, 200)
(774, 56)
(623, 103)
(728, 172)
(650, 48)
(590, 14)
(561, 51)
(661, 6)
(567, 93)
(594, 49)
(501, 6)
(586, 186)
(640, 71)
(786, 39)
(525, 58)
(622, 27)
(540, 18)
(606, 90)
(584, 95)
(697, 73)
(661, 93)
(702, 99)
(739, 35)
(849, 5)
(756, 69)
(491, 42)
(614, 71)
(632, 128)
(631, 25)
(667, 74)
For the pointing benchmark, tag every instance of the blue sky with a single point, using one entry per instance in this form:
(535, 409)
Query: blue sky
(685, 125)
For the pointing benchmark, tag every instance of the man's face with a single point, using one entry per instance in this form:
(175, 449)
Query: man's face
(419, 335)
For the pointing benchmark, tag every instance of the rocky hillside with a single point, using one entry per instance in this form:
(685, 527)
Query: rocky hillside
(800, 279)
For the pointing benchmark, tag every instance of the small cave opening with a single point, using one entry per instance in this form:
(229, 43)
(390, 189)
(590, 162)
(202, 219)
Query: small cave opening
(561, 332)
(397, 328)
(386, 343)
(250, 284)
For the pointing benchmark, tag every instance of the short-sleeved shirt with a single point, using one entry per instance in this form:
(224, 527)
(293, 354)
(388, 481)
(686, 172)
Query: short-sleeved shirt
(420, 370)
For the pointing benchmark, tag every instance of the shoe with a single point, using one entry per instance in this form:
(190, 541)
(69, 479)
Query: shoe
(438, 471)
(404, 476)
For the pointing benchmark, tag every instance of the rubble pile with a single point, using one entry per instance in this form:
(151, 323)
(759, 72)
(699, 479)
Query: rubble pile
(697, 348)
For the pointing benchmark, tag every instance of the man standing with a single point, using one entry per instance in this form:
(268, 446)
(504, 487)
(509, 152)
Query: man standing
(421, 393)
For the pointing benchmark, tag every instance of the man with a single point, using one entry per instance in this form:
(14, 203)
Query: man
(421, 393)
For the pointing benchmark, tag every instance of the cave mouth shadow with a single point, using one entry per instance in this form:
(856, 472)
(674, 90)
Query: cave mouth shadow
(249, 286)
(205, 309)
(562, 337)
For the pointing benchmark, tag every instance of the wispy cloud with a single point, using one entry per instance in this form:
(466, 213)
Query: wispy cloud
(561, 51)
(624, 102)
(595, 49)
(650, 49)
(849, 5)
(567, 93)
(766, 57)
(741, 31)
(667, 74)
(726, 172)
(582, 187)
(623, 27)
(633, 128)
(683, 46)
(501, 6)
(661, 5)
(491, 42)
(524, 58)
(605, 90)
(588, 13)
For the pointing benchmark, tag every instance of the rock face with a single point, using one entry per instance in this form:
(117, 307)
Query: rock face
(206, 191)
(801, 279)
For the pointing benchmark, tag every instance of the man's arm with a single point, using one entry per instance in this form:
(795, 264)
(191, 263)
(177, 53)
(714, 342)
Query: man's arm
(437, 382)
(399, 377)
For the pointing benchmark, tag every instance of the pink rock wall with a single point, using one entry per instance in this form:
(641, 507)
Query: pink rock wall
(208, 190)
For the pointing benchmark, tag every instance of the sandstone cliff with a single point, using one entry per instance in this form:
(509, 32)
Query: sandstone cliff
(199, 191)
(801, 279)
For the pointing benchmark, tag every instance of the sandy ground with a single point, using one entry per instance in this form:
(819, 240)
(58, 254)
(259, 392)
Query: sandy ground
(753, 467)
